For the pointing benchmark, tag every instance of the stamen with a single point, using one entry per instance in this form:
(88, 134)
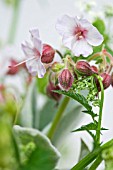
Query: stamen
(21, 63)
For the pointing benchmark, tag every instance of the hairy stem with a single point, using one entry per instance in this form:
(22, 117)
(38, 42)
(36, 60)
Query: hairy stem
(13, 27)
(91, 156)
(100, 111)
(58, 117)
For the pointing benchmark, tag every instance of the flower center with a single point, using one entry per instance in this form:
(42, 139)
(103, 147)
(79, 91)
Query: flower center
(80, 33)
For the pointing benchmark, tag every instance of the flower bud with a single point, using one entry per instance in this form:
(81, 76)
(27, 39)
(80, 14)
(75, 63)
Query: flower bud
(47, 54)
(94, 69)
(83, 68)
(112, 79)
(52, 94)
(106, 81)
(13, 70)
(66, 79)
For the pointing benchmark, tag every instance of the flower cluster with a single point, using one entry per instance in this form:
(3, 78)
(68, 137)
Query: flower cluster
(79, 36)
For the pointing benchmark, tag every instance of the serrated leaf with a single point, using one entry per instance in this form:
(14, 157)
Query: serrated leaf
(78, 97)
(84, 150)
(90, 126)
(90, 113)
(37, 149)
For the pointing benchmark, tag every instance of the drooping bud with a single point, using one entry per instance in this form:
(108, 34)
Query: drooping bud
(94, 69)
(66, 79)
(13, 70)
(52, 94)
(48, 54)
(106, 80)
(112, 79)
(83, 68)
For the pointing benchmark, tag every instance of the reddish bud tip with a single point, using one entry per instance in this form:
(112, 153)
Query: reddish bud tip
(66, 79)
(112, 79)
(52, 94)
(47, 54)
(83, 68)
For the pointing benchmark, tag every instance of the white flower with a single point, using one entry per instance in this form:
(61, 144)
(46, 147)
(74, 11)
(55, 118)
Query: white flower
(33, 53)
(78, 35)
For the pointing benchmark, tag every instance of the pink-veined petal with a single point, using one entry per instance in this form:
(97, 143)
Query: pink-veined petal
(40, 69)
(38, 45)
(81, 47)
(34, 33)
(28, 51)
(68, 41)
(36, 67)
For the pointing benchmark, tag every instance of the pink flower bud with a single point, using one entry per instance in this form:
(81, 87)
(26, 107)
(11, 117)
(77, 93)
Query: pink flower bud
(83, 68)
(106, 81)
(94, 69)
(112, 79)
(66, 79)
(52, 94)
(47, 54)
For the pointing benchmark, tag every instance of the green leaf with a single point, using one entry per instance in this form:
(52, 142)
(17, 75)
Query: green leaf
(78, 97)
(84, 150)
(90, 113)
(90, 126)
(42, 84)
(37, 152)
(100, 25)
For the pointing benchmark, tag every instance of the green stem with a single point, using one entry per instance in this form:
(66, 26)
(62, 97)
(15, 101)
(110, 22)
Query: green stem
(96, 163)
(91, 156)
(100, 111)
(59, 53)
(14, 22)
(58, 117)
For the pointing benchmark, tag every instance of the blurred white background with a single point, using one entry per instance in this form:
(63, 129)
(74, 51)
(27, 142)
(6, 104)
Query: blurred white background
(43, 14)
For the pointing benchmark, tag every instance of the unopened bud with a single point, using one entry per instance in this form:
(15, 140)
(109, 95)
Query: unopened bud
(106, 80)
(94, 69)
(51, 93)
(112, 79)
(47, 54)
(83, 68)
(66, 79)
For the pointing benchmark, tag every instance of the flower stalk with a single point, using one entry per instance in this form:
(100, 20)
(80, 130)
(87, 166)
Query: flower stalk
(58, 117)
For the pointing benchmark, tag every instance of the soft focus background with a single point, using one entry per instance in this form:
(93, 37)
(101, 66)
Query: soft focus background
(43, 14)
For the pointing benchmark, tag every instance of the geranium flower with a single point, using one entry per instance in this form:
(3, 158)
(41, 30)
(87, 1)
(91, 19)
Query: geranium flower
(33, 53)
(78, 35)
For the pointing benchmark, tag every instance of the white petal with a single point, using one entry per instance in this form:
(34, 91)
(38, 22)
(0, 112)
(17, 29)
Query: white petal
(38, 45)
(81, 47)
(34, 33)
(36, 67)
(40, 69)
(65, 26)
(68, 41)
(94, 37)
(28, 51)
